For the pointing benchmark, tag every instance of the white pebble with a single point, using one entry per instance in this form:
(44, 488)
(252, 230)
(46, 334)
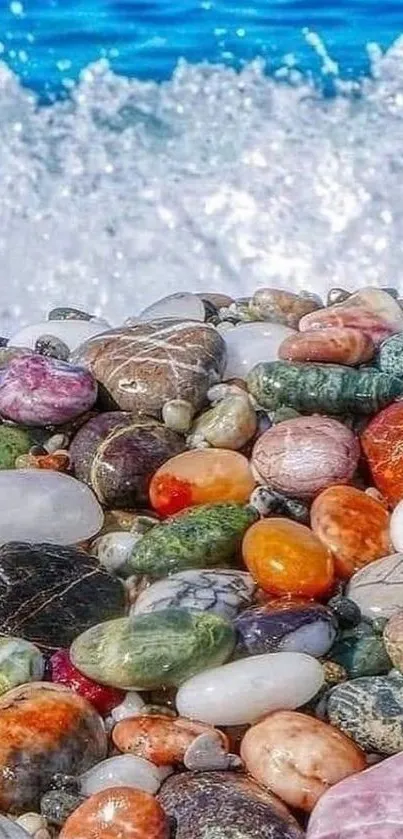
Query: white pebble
(114, 549)
(396, 527)
(251, 343)
(124, 771)
(184, 306)
(132, 706)
(71, 332)
(32, 822)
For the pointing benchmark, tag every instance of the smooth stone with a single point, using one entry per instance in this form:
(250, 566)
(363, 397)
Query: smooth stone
(20, 662)
(14, 442)
(44, 730)
(278, 306)
(229, 424)
(161, 739)
(177, 414)
(132, 705)
(347, 613)
(225, 805)
(368, 805)
(250, 343)
(371, 310)
(334, 345)
(303, 456)
(370, 711)
(381, 441)
(11, 830)
(205, 536)
(223, 592)
(242, 691)
(269, 502)
(207, 752)
(144, 366)
(304, 628)
(62, 671)
(34, 824)
(337, 295)
(393, 638)
(182, 306)
(38, 391)
(117, 454)
(52, 347)
(353, 526)
(56, 508)
(114, 549)
(71, 332)
(123, 771)
(390, 355)
(150, 651)
(299, 758)
(378, 588)
(396, 527)
(49, 593)
(361, 651)
(117, 813)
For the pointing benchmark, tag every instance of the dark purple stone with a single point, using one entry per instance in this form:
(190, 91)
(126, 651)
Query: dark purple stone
(303, 628)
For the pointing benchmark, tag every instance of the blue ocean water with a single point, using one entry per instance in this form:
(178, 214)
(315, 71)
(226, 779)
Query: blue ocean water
(48, 42)
(152, 146)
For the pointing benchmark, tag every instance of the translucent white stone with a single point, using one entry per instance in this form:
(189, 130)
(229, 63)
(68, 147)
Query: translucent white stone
(42, 506)
(242, 691)
(114, 549)
(32, 822)
(131, 706)
(250, 343)
(124, 771)
(183, 305)
(11, 830)
(396, 527)
(71, 332)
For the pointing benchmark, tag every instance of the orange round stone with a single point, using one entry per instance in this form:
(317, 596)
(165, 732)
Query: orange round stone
(205, 476)
(352, 525)
(117, 813)
(382, 442)
(160, 739)
(287, 558)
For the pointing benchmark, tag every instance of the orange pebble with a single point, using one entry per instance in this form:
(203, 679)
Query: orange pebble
(382, 442)
(205, 476)
(287, 558)
(299, 757)
(353, 526)
(117, 813)
(162, 740)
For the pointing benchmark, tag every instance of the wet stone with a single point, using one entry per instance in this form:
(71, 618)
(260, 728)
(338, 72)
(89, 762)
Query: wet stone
(361, 651)
(52, 347)
(370, 710)
(305, 628)
(224, 592)
(57, 805)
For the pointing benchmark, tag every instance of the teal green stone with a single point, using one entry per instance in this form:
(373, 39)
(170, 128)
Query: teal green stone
(14, 441)
(361, 651)
(322, 388)
(390, 356)
(370, 711)
(20, 662)
(202, 537)
(161, 649)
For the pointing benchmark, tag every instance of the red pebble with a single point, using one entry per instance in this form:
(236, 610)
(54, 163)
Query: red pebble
(101, 697)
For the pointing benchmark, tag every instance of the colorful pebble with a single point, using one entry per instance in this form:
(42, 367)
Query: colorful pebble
(334, 345)
(117, 813)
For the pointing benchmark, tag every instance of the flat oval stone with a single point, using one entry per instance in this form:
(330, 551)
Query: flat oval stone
(20, 662)
(144, 366)
(122, 771)
(370, 310)
(278, 306)
(116, 454)
(334, 345)
(370, 711)
(160, 739)
(118, 813)
(182, 306)
(225, 805)
(150, 651)
(242, 691)
(378, 588)
(44, 730)
(195, 538)
(71, 332)
(368, 804)
(208, 476)
(303, 456)
(298, 757)
(361, 651)
(230, 424)
(56, 508)
(250, 343)
(48, 593)
(382, 445)
(224, 592)
(14, 442)
(36, 390)
(352, 525)
(11, 830)
(297, 628)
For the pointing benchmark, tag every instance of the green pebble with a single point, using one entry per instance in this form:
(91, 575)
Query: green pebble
(13, 443)
(390, 356)
(161, 649)
(20, 662)
(202, 537)
(361, 650)
(322, 388)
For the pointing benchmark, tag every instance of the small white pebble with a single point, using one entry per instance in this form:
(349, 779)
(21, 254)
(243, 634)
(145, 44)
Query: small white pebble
(32, 823)
(132, 706)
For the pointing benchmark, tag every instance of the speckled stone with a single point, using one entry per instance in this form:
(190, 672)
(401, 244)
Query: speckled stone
(370, 710)
(117, 813)
(301, 628)
(44, 730)
(20, 662)
(378, 588)
(280, 306)
(144, 366)
(150, 651)
(224, 592)
(393, 638)
(382, 445)
(361, 651)
(161, 739)
(322, 388)
(223, 805)
(14, 442)
(229, 424)
(303, 456)
(116, 454)
(57, 805)
(390, 356)
(269, 502)
(335, 345)
(371, 310)
(50, 593)
(204, 536)
(347, 612)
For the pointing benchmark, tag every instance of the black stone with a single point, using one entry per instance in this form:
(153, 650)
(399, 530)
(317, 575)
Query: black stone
(52, 347)
(49, 593)
(68, 313)
(58, 805)
(347, 612)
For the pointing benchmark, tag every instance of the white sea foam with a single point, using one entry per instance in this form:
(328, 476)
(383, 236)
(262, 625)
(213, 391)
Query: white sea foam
(212, 180)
